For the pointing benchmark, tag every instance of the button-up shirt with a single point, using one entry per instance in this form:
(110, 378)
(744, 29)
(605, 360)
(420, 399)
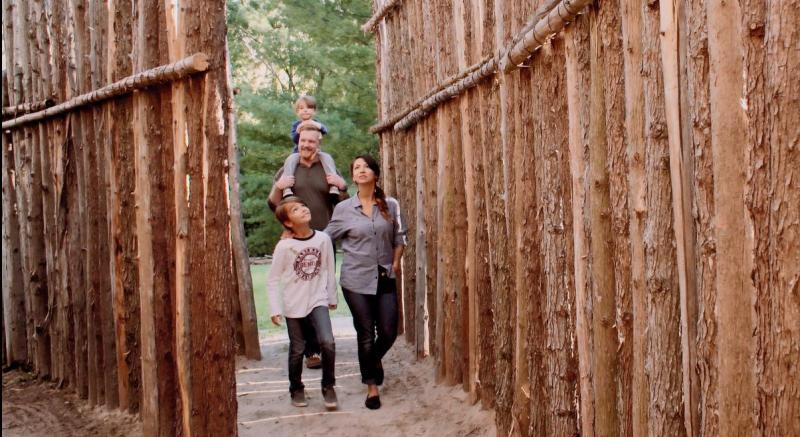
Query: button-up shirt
(367, 242)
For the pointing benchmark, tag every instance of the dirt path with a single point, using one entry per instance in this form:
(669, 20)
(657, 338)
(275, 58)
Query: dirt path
(412, 404)
(34, 409)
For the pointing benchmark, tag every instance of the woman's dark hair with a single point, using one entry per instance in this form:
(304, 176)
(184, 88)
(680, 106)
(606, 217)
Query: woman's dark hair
(380, 196)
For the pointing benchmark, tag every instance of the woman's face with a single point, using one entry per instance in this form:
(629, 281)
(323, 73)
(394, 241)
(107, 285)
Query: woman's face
(362, 174)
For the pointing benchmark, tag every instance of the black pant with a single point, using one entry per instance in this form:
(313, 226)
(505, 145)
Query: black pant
(373, 313)
(312, 345)
(321, 321)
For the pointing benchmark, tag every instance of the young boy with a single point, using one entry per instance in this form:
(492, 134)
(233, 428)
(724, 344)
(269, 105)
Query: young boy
(304, 265)
(305, 107)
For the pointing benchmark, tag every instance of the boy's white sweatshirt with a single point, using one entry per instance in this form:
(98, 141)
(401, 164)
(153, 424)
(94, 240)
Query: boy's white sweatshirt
(302, 276)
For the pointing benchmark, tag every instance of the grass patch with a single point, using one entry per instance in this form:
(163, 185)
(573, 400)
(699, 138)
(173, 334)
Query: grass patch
(260, 273)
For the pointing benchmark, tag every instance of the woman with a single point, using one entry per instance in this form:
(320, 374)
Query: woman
(372, 232)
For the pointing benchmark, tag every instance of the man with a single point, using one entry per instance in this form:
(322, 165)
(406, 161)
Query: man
(311, 184)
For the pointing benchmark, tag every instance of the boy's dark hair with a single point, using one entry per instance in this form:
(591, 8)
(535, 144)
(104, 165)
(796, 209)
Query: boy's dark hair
(310, 101)
(282, 211)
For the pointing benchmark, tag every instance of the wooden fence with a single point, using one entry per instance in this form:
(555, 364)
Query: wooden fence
(126, 277)
(604, 206)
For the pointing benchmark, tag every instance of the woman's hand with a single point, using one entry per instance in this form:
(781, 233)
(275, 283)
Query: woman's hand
(276, 320)
(396, 267)
(332, 306)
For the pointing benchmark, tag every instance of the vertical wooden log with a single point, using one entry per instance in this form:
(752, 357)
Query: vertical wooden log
(241, 258)
(107, 341)
(42, 63)
(79, 265)
(16, 351)
(771, 90)
(219, 384)
(661, 277)
(58, 25)
(631, 15)
(698, 121)
(159, 409)
(420, 293)
(613, 86)
(671, 57)
(602, 243)
(41, 290)
(735, 296)
(578, 87)
(123, 222)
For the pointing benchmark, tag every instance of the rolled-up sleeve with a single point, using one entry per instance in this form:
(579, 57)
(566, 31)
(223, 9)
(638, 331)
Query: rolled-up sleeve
(337, 227)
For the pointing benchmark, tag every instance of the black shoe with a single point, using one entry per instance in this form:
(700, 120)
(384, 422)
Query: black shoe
(314, 362)
(329, 396)
(373, 403)
(299, 398)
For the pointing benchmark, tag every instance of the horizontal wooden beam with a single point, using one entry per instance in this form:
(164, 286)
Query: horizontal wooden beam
(549, 19)
(538, 33)
(382, 12)
(156, 76)
(391, 121)
(27, 108)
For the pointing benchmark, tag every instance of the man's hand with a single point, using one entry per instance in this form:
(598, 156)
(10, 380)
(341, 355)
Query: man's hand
(287, 234)
(276, 320)
(336, 180)
(332, 306)
(284, 182)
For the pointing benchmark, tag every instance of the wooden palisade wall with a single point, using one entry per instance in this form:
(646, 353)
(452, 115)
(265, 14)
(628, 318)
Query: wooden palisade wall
(605, 239)
(123, 257)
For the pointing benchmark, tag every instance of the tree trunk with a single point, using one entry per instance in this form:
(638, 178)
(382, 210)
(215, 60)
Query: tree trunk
(123, 227)
(578, 85)
(663, 361)
(14, 315)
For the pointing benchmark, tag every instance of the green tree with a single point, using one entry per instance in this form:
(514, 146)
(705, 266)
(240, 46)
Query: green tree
(279, 50)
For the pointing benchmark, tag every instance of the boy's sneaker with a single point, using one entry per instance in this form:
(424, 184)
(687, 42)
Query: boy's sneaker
(299, 398)
(314, 362)
(329, 395)
(287, 192)
(334, 190)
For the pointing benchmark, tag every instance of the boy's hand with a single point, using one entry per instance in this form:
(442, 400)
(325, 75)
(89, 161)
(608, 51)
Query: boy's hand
(284, 182)
(336, 180)
(332, 306)
(276, 320)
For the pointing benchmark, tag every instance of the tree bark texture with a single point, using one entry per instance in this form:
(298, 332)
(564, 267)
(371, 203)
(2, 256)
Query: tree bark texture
(663, 363)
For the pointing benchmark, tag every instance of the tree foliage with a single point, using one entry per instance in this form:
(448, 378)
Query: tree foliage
(279, 50)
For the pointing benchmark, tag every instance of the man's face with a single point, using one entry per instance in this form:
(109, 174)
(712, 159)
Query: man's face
(308, 145)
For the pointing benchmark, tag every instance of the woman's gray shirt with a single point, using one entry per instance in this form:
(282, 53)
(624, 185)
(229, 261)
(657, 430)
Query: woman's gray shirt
(367, 242)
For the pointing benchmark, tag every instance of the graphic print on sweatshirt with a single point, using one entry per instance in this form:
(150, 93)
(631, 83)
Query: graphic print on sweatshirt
(307, 263)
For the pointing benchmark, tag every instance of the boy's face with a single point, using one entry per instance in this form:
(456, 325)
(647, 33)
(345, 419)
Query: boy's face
(299, 214)
(304, 112)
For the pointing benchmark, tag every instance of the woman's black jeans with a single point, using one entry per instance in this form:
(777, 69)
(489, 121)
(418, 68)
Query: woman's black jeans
(373, 313)
(321, 321)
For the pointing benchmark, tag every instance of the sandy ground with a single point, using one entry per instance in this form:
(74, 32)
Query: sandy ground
(412, 404)
(34, 409)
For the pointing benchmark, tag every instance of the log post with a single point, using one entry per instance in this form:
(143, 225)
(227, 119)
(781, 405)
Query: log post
(735, 308)
(578, 85)
(123, 222)
(603, 279)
